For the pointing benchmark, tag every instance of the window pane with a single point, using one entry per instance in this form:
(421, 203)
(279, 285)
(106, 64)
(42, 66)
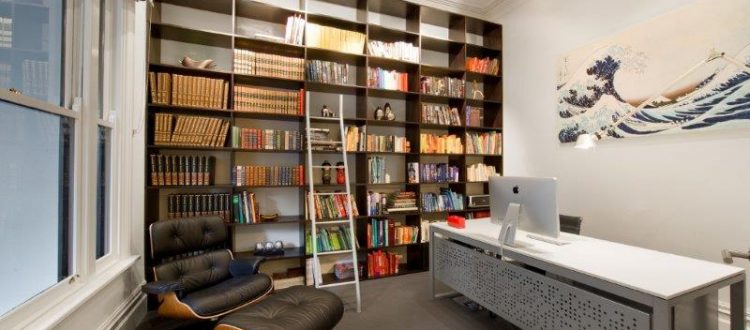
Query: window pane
(102, 193)
(31, 48)
(35, 202)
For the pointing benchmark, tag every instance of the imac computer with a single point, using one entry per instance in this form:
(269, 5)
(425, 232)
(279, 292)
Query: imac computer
(526, 203)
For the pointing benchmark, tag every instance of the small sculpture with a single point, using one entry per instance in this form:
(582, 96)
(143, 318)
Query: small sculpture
(389, 115)
(378, 113)
(475, 87)
(340, 173)
(326, 172)
(191, 63)
(325, 112)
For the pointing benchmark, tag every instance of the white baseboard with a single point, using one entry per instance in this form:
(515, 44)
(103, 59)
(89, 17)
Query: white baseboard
(128, 314)
(724, 317)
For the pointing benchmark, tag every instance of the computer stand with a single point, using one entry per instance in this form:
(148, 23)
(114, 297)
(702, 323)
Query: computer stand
(510, 223)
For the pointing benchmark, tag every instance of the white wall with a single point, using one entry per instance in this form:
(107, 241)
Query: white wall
(685, 194)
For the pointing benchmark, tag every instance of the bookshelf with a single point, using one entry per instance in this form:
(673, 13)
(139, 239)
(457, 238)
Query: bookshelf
(444, 42)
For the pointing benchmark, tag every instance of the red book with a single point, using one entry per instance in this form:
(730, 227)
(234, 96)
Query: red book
(301, 101)
(369, 236)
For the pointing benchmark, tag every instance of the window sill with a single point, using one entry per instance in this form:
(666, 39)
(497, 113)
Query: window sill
(42, 313)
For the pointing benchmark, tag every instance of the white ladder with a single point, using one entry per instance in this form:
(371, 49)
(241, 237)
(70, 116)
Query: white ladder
(317, 277)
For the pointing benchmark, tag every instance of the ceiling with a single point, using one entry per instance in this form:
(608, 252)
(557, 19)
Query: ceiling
(477, 8)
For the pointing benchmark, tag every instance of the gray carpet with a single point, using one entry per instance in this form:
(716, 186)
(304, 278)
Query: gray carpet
(404, 302)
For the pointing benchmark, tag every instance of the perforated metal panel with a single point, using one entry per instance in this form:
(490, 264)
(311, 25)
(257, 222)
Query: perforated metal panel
(528, 299)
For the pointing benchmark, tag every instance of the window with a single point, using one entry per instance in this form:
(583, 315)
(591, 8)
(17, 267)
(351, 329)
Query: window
(35, 202)
(103, 229)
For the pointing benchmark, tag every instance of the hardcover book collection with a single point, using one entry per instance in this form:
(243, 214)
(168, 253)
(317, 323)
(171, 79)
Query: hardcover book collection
(196, 205)
(332, 238)
(253, 176)
(333, 207)
(376, 170)
(327, 37)
(357, 139)
(388, 232)
(442, 86)
(440, 114)
(268, 65)
(180, 170)
(380, 264)
(483, 65)
(385, 79)
(376, 203)
(295, 27)
(245, 208)
(189, 130)
(440, 144)
(276, 101)
(265, 139)
(190, 91)
(435, 172)
(399, 50)
(489, 143)
(445, 200)
(328, 72)
(403, 201)
(480, 172)
(320, 140)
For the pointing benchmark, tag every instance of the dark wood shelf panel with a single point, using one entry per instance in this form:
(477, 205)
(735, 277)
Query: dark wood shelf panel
(316, 86)
(337, 22)
(285, 219)
(185, 187)
(442, 212)
(483, 128)
(480, 102)
(386, 184)
(493, 78)
(196, 148)
(329, 54)
(174, 68)
(191, 35)
(439, 44)
(439, 71)
(267, 116)
(267, 186)
(402, 273)
(439, 98)
(389, 92)
(262, 151)
(243, 42)
(187, 110)
(438, 183)
(390, 247)
(439, 126)
(482, 155)
(289, 253)
(390, 123)
(249, 78)
(440, 154)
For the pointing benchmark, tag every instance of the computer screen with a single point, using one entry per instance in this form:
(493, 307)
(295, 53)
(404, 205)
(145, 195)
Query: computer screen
(537, 197)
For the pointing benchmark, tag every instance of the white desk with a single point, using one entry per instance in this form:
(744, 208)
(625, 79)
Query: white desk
(654, 282)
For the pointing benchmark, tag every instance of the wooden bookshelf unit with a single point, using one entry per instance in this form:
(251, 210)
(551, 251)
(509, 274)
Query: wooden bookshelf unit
(445, 41)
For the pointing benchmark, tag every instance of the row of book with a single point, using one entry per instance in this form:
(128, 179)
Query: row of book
(253, 175)
(332, 238)
(474, 116)
(321, 36)
(483, 65)
(183, 130)
(488, 143)
(387, 79)
(388, 232)
(180, 170)
(198, 205)
(376, 203)
(333, 206)
(6, 32)
(268, 65)
(480, 172)
(440, 144)
(262, 100)
(245, 208)
(35, 78)
(445, 200)
(295, 27)
(381, 264)
(192, 91)
(442, 86)
(433, 173)
(399, 50)
(265, 139)
(376, 170)
(357, 139)
(402, 201)
(320, 140)
(328, 72)
(441, 114)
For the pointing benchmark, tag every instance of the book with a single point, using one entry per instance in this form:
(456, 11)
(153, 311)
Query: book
(399, 50)
(440, 144)
(480, 172)
(332, 207)
(183, 130)
(436, 172)
(321, 36)
(445, 200)
(442, 86)
(181, 170)
(295, 27)
(330, 238)
(247, 98)
(245, 208)
(268, 65)
(249, 175)
(376, 170)
(484, 65)
(265, 139)
(488, 143)
(440, 114)
(189, 91)
(412, 172)
(357, 139)
(387, 79)
(196, 205)
(389, 232)
(380, 264)
(376, 203)
(474, 116)
(328, 72)
(403, 201)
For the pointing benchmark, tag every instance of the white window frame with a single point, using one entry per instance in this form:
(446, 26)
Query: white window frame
(80, 92)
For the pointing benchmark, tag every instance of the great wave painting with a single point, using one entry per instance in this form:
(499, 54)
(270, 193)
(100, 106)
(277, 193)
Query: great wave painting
(671, 74)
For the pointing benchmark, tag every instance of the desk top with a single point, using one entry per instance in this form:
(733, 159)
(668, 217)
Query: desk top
(652, 272)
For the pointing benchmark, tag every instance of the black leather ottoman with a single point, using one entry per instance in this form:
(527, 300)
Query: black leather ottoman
(295, 308)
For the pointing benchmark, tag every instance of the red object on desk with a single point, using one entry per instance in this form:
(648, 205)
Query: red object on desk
(456, 221)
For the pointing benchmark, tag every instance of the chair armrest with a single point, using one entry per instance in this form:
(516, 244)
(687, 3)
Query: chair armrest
(161, 287)
(245, 266)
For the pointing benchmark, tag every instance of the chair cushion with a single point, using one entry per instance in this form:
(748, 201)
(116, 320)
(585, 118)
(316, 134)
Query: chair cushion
(196, 272)
(294, 308)
(228, 294)
(171, 238)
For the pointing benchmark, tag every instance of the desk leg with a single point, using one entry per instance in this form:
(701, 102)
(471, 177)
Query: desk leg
(737, 306)
(663, 317)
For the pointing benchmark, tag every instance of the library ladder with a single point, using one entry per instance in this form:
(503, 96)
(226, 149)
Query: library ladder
(349, 220)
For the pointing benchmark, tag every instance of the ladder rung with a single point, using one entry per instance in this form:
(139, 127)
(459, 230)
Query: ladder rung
(334, 252)
(330, 222)
(330, 193)
(325, 118)
(335, 284)
(320, 166)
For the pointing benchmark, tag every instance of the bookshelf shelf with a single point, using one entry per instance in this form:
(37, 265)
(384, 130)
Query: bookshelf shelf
(390, 247)
(444, 40)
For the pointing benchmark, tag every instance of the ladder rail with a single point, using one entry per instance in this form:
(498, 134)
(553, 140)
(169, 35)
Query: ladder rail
(311, 203)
